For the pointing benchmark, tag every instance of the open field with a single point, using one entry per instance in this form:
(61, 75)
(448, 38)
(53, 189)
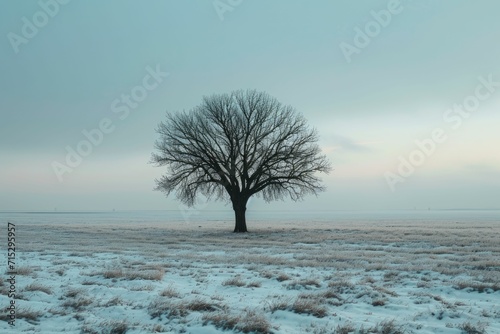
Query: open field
(284, 277)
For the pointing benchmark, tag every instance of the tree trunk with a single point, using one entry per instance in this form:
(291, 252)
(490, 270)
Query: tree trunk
(240, 208)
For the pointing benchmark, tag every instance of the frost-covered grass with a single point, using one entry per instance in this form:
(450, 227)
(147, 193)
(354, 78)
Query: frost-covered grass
(280, 278)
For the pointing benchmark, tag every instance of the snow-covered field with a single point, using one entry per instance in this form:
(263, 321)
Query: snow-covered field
(310, 277)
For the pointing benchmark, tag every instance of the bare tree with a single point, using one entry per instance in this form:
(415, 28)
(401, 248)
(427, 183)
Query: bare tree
(236, 145)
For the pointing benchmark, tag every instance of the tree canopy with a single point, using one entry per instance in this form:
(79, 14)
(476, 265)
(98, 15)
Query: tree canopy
(233, 146)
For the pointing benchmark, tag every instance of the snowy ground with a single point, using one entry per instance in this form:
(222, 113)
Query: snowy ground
(280, 278)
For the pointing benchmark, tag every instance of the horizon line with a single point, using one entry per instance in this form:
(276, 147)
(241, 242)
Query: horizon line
(263, 210)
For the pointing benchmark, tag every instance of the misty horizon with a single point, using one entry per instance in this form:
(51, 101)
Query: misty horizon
(406, 115)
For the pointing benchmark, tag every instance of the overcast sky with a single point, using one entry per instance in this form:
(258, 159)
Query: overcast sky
(374, 77)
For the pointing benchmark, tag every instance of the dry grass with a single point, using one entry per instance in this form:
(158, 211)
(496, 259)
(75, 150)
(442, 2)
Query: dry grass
(73, 292)
(167, 307)
(152, 275)
(58, 311)
(76, 299)
(116, 300)
(266, 274)
(147, 287)
(378, 302)
(235, 281)
(254, 284)
(344, 329)
(312, 304)
(468, 328)
(306, 283)
(387, 327)
(201, 305)
(108, 327)
(87, 282)
(78, 304)
(282, 277)
(158, 329)
(38, 287)
(282, 303)
(222, 320)
(348, 245)
(249, 321)
(477, 286)
(170, 292)
(391, 276)
(341, 286)
(24, 271)
(331, 294)
(113, 273)
(355, 265)
(368, 280)
(27, 314)
(309, 304)
(263, 259)
(385, 291)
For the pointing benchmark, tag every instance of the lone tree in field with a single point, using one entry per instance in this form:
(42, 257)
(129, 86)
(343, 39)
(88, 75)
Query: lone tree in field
(236, 145)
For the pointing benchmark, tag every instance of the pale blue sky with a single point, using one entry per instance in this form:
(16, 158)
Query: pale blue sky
(368, 111)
